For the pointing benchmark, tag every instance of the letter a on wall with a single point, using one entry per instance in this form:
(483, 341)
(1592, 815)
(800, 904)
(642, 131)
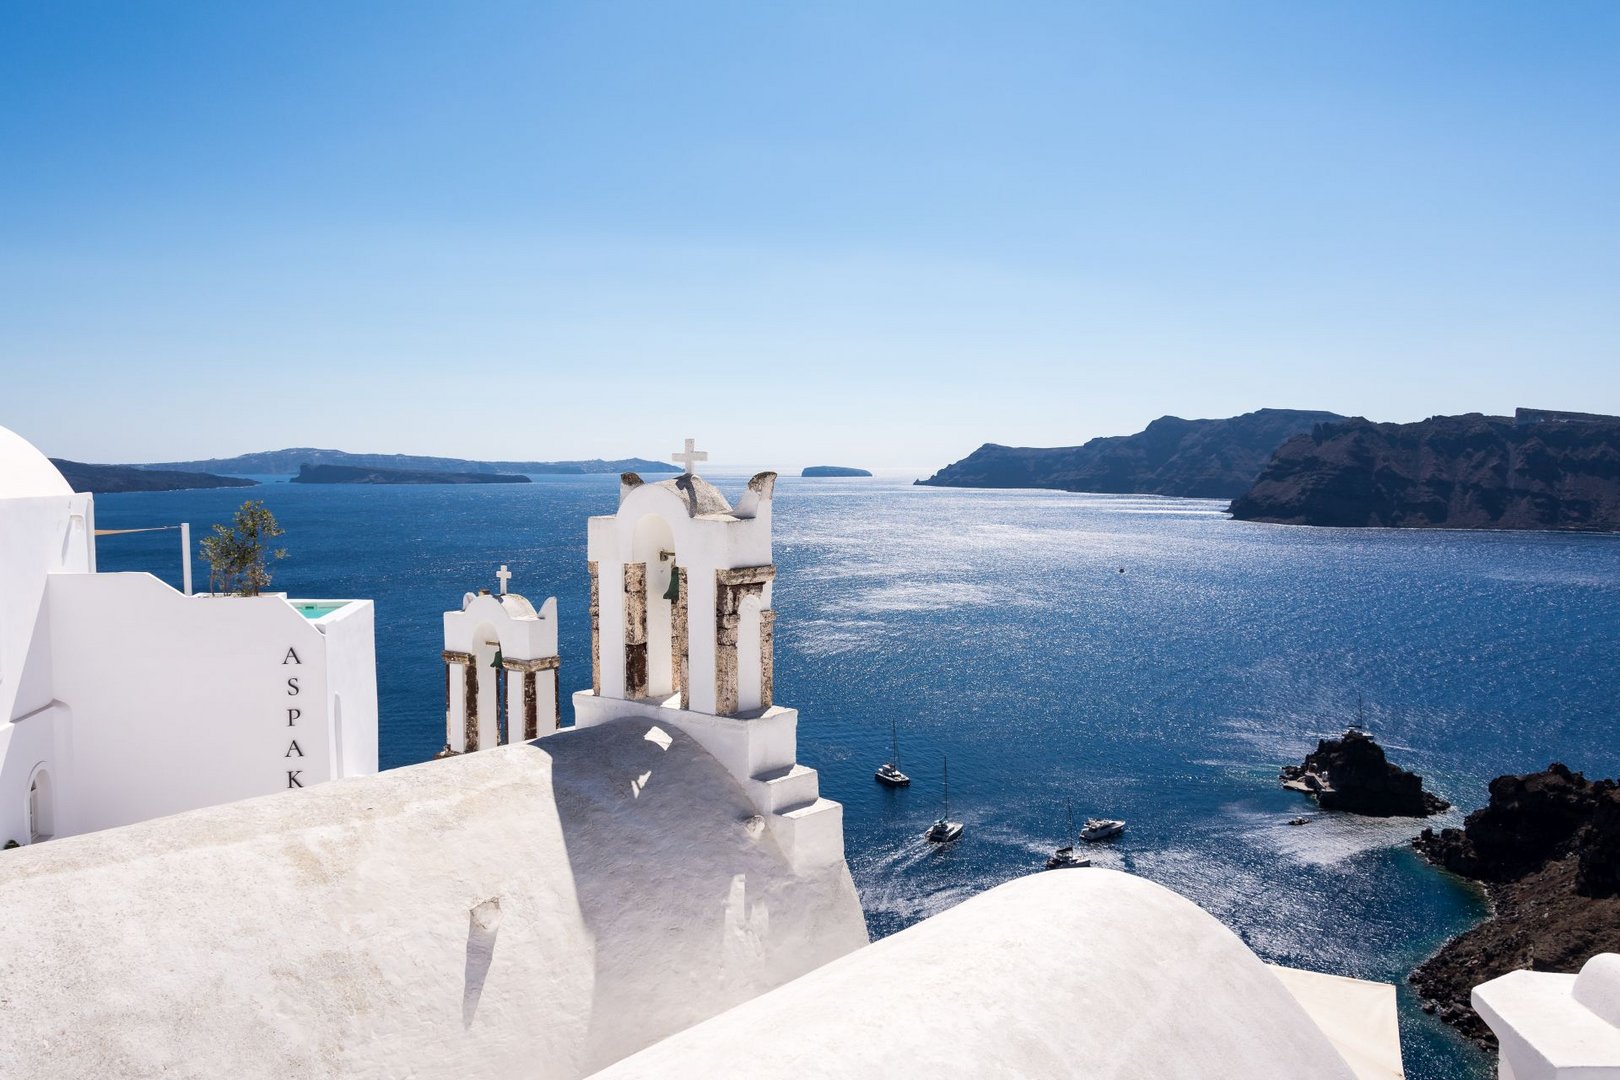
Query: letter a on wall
(291, 657)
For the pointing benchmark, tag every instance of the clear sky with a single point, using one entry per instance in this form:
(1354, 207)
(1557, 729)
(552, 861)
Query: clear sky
(858, 233)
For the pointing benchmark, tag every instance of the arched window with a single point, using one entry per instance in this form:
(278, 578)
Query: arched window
(41, 808)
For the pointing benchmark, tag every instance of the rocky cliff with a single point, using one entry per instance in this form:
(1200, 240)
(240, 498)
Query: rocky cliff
(1208, 459)
(1534, 471)
(1352, 774)
(1547, 849)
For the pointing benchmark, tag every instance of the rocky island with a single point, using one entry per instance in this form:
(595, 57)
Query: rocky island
(291, 460)
(1202, 459)
(1547, 850)
(1534, 470)
(354, 474)
(833, 470)
(1352, 774)
(112, 479)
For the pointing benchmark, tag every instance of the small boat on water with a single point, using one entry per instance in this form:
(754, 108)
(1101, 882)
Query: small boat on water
(1299, 821)
(944, 830)
(1101, 829)
(1064, 857)
(889, 773)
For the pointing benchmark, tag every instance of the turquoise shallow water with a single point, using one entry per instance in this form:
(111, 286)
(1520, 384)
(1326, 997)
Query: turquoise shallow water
(997, 628)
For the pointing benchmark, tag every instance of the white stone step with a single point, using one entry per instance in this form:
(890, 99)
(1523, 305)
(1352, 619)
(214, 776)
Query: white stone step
(779, 790)
(812, 834)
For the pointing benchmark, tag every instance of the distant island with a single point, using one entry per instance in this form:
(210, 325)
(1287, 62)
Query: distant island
(1547, 850)
(1207, 459)
(833, 470)
(291, 460)
(1534, 470)
(355, 474)
(113, 479)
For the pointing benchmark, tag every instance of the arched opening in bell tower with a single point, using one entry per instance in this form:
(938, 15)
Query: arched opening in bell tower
(655, 641)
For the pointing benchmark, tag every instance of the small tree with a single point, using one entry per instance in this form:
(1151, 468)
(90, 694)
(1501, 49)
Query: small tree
(236, 554)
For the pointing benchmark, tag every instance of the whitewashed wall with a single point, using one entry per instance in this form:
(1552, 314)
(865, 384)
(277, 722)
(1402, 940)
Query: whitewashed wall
(180, 702)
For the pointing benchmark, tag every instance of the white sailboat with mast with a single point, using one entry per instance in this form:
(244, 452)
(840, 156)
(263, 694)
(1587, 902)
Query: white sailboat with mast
(944, 830)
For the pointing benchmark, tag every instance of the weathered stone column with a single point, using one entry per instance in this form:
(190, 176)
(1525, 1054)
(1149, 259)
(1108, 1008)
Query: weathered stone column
(635, 630)
(596, 630)
(455, 679)
(731, 588)
(469, 702)
(679, 658)
(767, 657)
(528, 721)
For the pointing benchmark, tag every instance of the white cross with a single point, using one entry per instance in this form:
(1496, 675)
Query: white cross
(505, 575)
(690, 456)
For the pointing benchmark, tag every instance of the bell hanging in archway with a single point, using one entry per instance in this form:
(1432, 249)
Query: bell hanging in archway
(673, 593)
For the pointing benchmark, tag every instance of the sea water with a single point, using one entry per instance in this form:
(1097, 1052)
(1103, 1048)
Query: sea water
(1142, 658)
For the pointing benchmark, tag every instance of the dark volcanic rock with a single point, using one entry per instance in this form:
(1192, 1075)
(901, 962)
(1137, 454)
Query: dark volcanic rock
(1206, 459)
(1529, 820)
(1352, 774)
(111, 479)
(1547, 848)
(1535, 471)
(353, 474)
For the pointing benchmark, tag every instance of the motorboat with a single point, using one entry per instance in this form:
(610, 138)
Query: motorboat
(889, 774)
(1064, 858)
(944, 830)
(1299, 821)
(1101, 829)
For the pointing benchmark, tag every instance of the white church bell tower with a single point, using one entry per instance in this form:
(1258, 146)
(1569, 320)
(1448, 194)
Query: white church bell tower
(682, 629)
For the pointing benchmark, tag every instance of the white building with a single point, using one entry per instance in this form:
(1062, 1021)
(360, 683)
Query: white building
(126, 699)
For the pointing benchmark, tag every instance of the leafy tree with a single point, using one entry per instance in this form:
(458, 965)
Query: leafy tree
(236, 554)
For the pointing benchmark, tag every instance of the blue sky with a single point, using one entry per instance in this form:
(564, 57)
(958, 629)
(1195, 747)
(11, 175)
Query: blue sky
(869, 234)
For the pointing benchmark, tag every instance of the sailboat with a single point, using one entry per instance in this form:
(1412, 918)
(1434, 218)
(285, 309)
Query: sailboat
(1064, 857)
(944, 830)
(889, 773)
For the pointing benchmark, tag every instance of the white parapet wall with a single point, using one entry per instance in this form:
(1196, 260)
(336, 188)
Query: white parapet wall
(1556, 1027)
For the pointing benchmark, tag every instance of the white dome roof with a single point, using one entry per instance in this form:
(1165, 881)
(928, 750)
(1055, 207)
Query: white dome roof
(1079, 973)
(25, 473)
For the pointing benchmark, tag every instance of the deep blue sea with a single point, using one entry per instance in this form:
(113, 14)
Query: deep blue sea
(998, 628)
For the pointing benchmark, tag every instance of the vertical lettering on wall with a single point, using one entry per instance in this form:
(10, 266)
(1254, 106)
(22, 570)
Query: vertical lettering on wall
(293, 749)
(291, 657)
(292, 686)
(292, 778)
(292, 715)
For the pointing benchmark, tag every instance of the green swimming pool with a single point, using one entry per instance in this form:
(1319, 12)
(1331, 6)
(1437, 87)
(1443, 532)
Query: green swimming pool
(315, 609)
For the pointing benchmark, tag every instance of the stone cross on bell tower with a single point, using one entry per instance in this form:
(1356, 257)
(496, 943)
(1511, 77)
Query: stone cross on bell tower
(504, 576)
(690, 456)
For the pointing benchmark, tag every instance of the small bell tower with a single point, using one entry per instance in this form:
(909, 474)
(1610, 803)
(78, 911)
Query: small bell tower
(501, 670)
